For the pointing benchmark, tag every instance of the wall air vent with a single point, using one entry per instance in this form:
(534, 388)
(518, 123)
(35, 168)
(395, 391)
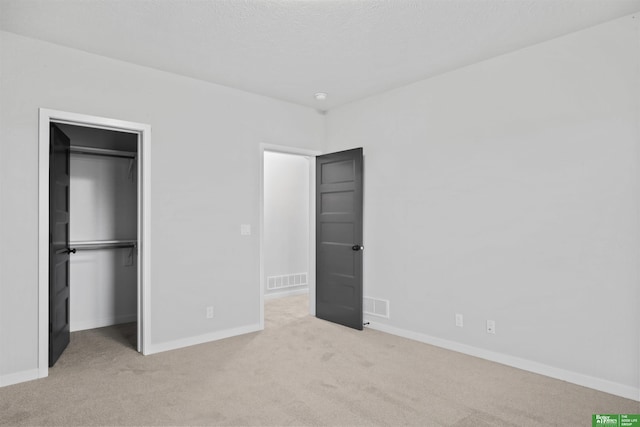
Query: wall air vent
(376, 307)
(287, 281)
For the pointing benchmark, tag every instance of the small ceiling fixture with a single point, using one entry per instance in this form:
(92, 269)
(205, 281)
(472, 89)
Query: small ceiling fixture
(321, 96)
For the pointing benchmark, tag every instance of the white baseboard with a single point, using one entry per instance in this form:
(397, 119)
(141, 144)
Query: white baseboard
(515, 362)
(102, 322)
(288, 293)
(201, 339)
(19, 377)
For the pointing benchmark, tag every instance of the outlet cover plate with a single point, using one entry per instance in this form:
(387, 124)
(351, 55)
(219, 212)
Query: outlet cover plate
(459, 320)
(491, 327)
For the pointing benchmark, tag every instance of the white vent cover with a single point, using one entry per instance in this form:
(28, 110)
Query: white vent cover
(287, 281)
(376, 307)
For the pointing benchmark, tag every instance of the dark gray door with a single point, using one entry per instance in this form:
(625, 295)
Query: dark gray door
(339, 237)
(58, 243)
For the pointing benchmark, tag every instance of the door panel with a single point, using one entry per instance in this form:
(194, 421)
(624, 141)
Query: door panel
(337, 202)
(335, 172)
(339, 232)
(59, 334)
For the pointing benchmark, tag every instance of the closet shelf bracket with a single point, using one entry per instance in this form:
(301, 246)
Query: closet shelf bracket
(131, 164)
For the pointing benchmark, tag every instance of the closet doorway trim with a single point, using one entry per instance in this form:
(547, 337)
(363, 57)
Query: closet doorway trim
(47, 116)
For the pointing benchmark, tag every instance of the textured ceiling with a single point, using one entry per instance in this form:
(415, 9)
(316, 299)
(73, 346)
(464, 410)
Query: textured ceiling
(290, 49)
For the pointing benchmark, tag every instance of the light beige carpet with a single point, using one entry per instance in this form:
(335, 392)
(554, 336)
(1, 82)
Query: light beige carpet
(298, 371)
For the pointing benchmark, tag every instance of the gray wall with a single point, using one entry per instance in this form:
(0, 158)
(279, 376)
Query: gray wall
(509, 190)
(205, 154)
(286, 217)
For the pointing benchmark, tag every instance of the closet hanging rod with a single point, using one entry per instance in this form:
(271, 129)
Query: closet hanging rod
(77, 149)
(103, 244)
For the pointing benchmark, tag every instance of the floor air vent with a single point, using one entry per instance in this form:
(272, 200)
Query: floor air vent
(287, 281)
(376, 307)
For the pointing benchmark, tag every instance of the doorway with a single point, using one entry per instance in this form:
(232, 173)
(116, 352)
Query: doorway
(336, 191)
(136, 139)
(286, 224)
(283, 221)
(103, 222)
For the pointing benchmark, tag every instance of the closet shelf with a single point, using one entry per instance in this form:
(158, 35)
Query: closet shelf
(103, 244)
(77, 149)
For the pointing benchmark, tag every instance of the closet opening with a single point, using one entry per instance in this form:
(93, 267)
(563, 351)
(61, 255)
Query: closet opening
(103, 227)
(94, 230)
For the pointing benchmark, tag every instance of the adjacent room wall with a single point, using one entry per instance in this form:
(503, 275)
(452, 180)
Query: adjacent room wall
(508, 191)
(286, 222)
(205, 160)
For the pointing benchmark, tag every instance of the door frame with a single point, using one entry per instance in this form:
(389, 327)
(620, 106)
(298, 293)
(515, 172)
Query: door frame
(47, 116)
(311, 154)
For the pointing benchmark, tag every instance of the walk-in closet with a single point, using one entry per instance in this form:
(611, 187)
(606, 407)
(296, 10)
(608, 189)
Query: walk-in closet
(103, 209)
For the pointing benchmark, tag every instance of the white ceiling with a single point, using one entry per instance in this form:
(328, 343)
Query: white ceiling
(291, 49)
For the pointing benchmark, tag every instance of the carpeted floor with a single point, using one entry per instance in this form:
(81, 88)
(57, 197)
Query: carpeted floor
(298, 371)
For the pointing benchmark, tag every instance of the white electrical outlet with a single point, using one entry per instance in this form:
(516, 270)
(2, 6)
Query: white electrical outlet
(459, 320)
(491, 327)
(210, 312)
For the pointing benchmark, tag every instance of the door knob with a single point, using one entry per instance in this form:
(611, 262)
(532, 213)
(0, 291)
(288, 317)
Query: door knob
(71, 251)
(357, 248)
